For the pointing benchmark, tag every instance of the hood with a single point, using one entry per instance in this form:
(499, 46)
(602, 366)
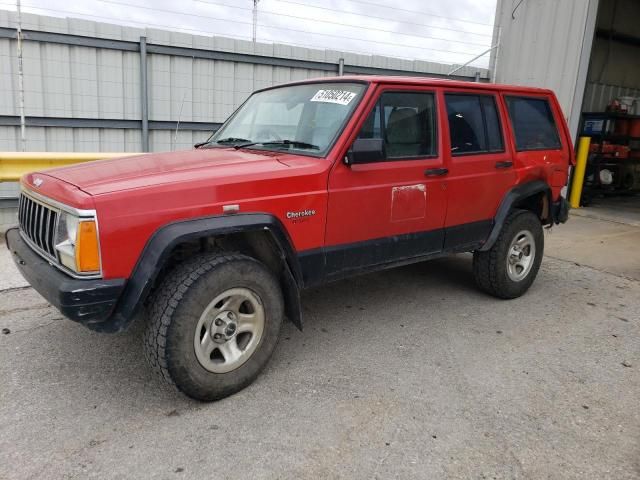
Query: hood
(106, 176)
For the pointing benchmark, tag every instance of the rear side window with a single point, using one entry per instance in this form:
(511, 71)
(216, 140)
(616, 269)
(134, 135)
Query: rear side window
(533, 124)
(474, 126)
(406, 123)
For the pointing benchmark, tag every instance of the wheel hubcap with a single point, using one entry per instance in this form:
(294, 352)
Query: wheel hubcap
(229, 330)
(521, 255)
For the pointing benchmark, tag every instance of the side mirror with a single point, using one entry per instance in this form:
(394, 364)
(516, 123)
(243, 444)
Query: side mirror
(365, 150)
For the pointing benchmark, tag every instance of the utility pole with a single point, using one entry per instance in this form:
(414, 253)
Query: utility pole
(23, 136)
(255, 19)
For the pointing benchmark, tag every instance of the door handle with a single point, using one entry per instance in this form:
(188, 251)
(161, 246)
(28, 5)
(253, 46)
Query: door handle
(507, 164)
(436, 172)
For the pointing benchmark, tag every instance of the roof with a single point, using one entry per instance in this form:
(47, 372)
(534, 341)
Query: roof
(436, 82)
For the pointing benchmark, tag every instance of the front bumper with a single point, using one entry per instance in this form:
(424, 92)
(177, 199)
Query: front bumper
(89, 302)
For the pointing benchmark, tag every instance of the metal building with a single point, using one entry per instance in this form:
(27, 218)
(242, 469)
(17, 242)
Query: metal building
(588, 52)
(91, 86)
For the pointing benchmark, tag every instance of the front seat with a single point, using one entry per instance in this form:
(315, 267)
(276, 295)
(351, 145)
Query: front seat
(404, 134)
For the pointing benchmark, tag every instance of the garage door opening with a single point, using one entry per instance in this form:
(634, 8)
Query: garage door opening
(610, 112)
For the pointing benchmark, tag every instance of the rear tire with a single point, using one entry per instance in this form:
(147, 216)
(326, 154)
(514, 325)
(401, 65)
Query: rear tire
(213, 324)
(508, 269)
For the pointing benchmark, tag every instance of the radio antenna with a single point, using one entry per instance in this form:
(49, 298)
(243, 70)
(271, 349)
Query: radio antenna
(175, 137)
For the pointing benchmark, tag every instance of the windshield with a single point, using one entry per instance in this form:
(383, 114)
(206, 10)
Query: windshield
(301, 118)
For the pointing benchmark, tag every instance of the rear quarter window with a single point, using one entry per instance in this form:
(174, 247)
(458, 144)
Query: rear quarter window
(533, 123)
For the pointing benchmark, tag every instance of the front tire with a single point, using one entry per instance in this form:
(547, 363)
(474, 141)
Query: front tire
(213, 324)
(508, 269)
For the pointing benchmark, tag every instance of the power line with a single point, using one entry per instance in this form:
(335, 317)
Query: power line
(368, 15)
(173, 12)
(394, 7)
(206, 32)
(112, 19)
(315, 20)
(343, 37)
(117, 20)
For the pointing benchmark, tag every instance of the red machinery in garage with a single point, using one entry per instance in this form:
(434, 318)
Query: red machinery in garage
(613, 166)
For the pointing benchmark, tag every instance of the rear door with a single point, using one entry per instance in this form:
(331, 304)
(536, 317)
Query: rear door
(479, 162)
(394, 208)
(540, 151)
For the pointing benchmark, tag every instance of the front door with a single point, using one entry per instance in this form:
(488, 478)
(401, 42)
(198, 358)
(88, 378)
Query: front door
(391, 209)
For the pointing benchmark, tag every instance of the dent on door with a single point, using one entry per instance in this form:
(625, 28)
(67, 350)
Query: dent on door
(408, 202)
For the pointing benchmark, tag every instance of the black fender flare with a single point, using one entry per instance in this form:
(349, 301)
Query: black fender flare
(159, 246)
(509, 202)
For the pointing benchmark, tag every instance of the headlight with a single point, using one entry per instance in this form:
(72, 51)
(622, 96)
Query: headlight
(77, 243)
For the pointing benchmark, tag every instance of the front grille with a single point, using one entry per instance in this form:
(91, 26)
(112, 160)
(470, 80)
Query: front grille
(38, 223)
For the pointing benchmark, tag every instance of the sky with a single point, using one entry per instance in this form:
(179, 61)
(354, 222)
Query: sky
(450, 31)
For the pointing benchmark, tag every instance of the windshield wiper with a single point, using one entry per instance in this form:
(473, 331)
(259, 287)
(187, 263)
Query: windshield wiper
(201, 144)
(293, 143)
(232, 140)
(222, 141)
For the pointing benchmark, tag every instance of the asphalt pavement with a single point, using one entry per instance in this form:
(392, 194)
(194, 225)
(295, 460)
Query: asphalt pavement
(408, 373)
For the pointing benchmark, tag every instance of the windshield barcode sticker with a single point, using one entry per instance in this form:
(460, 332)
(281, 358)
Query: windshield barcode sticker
(341, 97)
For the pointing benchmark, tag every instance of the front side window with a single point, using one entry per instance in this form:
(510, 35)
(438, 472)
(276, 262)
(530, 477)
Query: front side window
(533, 124)
(302, 118)
(474, 126)
(405, 121)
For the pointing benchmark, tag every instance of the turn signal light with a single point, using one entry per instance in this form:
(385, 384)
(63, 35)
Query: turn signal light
(87, 249)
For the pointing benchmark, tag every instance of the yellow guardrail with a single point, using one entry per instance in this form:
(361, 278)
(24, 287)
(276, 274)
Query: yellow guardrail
(15, 164)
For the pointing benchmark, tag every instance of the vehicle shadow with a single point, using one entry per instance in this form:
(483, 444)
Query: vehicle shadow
(451, 276)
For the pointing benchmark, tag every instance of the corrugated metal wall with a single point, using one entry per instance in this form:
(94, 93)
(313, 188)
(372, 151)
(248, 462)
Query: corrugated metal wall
(552, 44)
(542, 44)
(71, 81)
(614, 69)
(598, 95)
(615, 62)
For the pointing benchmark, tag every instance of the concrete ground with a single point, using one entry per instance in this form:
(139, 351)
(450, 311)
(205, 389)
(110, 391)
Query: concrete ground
(608, 246)
(410, 373)
(621, 209)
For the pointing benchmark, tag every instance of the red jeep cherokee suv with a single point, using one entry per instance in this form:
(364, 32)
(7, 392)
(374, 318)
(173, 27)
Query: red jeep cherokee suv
(305, 183)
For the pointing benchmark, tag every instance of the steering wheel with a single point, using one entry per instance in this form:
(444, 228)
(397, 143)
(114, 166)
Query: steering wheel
(268, 134)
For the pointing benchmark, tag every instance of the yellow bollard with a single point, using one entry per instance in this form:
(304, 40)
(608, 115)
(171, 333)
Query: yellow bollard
(578, 174)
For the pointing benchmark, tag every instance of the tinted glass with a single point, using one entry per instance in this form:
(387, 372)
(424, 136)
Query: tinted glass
(533, 124)
(466, 126)
(474, 125)
(406, 123)
(494, 133)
